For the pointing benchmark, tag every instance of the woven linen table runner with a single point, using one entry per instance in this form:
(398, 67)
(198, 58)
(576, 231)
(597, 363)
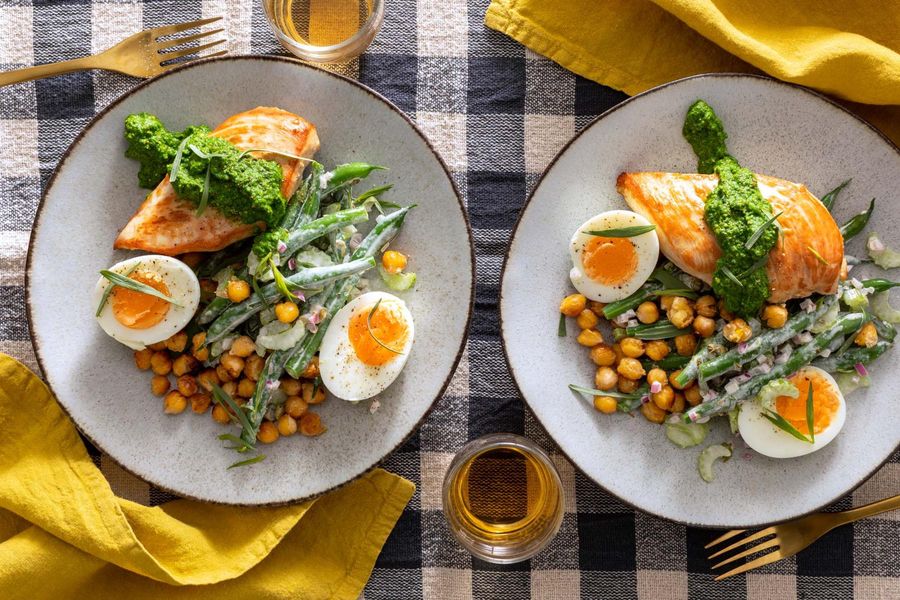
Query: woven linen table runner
(497, 114)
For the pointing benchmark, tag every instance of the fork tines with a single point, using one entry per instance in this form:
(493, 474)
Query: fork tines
(765, 559)
(170, 44)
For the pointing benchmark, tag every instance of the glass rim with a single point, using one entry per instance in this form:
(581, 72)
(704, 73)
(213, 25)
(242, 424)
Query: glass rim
(353, 46)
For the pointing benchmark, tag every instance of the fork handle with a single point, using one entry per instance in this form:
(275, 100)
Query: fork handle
(868, 510)
(48, 70)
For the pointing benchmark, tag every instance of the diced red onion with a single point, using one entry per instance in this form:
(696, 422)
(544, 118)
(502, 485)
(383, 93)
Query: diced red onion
(784, 356)
(655, 387)
(875, 244)
(645, 399)
(709, 395)
(802, 338)
(632, 323)
(355, 241)
(808, 305)
(311, 327)
(732, 386)
(673, 418)
(856, 283)
(623, 319)
(825, 353)
(281, 247)
(272, 384)
(742, 347)
(300, 295)
(747, 456)
(292, 264)
(861, 369)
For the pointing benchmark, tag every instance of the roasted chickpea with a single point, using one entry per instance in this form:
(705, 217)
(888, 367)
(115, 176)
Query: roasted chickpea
(572, 305)
(312, 369)
(393, 261)
(159, 385)
(198, 349)
(665, 302)
(311, 393)
(724, 312)
(243, 347)
(775, 315)
(177, 342)
(290, 386)
(867, 336)
(223, 374)
(295, 406)
(220, 415)
(268, 432)
(183, 364)
(246, 387)
(192, 259)
(597, 307)
(678, 404)
(692, 395)
(157, 346)
(142, 358)
(233, 364)
(630, 368)
(653, 413)
(200, 403)
(586, 319)
(664, 397)
(681, 313)
(589, 338)
(657, 349)
(686, 344)
(626, 386)
(605, 404)
(672, 379)
(605, 378)
(737, 331)
(632, 347)
(230, 388)
(657, 375)
(187, 385)
(174, 403)
(287, 426)
(704, 326)
(617, 349)
(603, 355)
(253, 366)
(160, 363)
(207, 378)
(648, 312)
(705, 306)
(311, 424)
(237, 290)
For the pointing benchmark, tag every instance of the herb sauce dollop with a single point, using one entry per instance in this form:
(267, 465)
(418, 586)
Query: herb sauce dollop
(244, 188)
(735, 210)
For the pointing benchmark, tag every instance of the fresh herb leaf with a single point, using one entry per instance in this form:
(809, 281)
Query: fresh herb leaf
(676, 292)
(137, 286)
(623, 232)
(203, 154)
(105, 297)
(856, 224)
(665, 277)
(372, 333)
(610, 393)
(809, 414)
(221, 397)
(751, 241)
(373, 193)
(817, 255)
(176, 163)
(204, 198)
(727, 273)
(249, 461)
(280, 281)
(829, 198)
(778, 421)
(561, 330)
(758, 264)
(276, 152)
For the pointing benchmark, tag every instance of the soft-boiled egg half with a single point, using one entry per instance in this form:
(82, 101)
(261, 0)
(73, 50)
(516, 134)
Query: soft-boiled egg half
(137, 319)
(607, 269)
(366, 346)
(829, 413)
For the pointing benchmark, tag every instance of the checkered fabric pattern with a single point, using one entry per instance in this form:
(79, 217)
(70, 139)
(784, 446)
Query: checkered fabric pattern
(497, 114)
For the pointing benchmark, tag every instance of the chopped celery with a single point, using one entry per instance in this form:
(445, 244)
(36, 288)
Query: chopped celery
(882, 255)
(773, 389)
(708, 456)
(881, 308)
(685, 435)
(399, 282)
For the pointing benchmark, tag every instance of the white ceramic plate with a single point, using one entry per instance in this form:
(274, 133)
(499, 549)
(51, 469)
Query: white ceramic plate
(773, 128)
(95, 192)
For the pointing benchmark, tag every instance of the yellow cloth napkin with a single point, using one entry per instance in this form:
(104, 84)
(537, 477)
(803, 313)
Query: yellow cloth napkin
(64, 534)
(848, 49)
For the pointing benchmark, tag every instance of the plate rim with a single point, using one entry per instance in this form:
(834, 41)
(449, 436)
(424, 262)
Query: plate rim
(303, 67)
(565, 148)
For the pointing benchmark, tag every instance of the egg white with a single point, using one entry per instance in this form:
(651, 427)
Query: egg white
(646, 247)
(342, 373)
(184, 289)
(764, 437)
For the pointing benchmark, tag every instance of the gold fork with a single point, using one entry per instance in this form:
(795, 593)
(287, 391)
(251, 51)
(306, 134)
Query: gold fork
(140, 55)
(791, 537)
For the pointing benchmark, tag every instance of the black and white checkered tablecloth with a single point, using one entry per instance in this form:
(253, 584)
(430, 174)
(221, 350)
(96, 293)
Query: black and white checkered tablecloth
(497, 114)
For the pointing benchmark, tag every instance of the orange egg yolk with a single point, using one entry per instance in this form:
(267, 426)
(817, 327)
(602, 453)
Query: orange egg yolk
(386, 326)
(825, 403)
(610, 261)
(137, 310)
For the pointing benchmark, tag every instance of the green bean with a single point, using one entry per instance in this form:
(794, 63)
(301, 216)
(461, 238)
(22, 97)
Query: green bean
(802, 356)
(304, 234)
(716, 344)
(212, 310)
(855, 225)
(661, 330)
(309, 205)
(764, 342)
(217, 261)
(829, 198)
(847, 361)
(885, 330)
(879, 285)
(266, 385)
(347, 175)
(619, 307)
(305, 278)
(673, 362)
(337, 296)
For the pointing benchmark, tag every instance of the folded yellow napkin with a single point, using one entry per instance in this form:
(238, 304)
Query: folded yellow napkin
(849, 49)
(64, 534)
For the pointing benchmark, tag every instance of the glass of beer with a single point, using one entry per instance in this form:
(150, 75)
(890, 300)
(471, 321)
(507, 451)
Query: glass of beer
(503, 498)
(325, 31)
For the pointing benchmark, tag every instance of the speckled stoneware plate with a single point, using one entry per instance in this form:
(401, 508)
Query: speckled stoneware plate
(773, 128)
(93, 194)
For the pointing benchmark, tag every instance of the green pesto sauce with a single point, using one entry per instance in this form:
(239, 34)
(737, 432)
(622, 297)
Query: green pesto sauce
(247, 190)
(735, 210)
(266, 243)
